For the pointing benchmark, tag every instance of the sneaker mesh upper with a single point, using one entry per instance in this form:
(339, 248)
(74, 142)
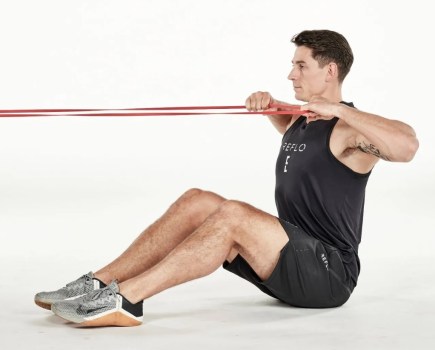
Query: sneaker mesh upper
(92, 304)
(79, 287)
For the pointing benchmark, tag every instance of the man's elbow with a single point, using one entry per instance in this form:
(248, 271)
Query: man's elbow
(411, 149)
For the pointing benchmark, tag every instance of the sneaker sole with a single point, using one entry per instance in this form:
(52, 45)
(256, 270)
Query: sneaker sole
(48, 306)
(114, 319)
(43, 305)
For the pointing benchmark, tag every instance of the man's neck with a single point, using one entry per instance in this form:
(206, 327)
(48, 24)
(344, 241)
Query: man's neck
(333, 94)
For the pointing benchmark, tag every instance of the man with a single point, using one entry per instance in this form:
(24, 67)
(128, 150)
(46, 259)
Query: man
(308, 256)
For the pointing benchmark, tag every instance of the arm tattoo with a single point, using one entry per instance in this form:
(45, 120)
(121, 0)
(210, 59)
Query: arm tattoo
(371, 149)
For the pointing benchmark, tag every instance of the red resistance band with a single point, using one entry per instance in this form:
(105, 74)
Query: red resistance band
(146, 112)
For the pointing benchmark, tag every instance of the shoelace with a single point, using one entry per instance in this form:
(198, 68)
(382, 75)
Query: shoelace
(86, 277)
(99, 293)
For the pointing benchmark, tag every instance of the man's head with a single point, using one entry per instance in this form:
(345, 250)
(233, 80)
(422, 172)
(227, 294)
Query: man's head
(322, 60)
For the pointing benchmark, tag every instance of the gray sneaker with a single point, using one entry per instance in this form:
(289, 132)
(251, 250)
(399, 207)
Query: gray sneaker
(80, 287)
(103, 307)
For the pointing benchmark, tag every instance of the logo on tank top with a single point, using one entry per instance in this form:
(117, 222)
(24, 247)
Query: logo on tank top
(292, 147)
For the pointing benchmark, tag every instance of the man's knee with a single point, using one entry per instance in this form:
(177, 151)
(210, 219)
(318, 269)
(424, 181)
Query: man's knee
(234, 215)
(198, 204)
(196, 195)
(189, 195)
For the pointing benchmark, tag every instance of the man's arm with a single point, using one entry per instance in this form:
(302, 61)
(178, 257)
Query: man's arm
(387, 139)
(260, 101)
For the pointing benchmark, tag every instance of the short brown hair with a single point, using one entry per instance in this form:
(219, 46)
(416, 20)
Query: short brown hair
(327, 46)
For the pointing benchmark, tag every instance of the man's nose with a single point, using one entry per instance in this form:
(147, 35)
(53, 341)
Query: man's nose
(292, 75)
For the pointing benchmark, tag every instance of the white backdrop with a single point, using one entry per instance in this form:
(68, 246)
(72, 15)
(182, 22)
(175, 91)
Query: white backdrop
(69, 185)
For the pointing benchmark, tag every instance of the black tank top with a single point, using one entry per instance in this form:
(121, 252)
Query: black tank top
(318, 193)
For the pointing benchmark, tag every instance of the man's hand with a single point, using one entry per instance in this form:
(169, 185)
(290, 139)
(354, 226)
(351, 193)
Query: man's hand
(261, 101)
(320, 108)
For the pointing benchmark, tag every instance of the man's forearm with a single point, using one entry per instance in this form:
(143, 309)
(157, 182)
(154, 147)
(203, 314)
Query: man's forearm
(280, 121)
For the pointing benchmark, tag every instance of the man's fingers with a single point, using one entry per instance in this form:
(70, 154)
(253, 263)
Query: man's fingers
(258, 101)
(251, 103)
(248, 103)
(264, 104)
(262, 101)
(266, 101)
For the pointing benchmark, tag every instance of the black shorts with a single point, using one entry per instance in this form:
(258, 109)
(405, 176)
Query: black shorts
(308, 273)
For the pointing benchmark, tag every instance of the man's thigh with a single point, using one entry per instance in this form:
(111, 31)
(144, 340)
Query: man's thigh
(306, 274)
(259, 236)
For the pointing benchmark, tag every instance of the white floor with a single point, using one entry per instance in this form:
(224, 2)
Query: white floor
(388, 310)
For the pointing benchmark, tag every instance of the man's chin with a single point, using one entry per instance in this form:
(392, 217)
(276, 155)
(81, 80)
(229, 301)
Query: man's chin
(300, 98)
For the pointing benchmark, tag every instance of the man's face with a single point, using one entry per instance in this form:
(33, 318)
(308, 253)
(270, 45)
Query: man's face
(307, 77)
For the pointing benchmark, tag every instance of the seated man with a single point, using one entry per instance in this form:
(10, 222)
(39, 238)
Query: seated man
(305, 257)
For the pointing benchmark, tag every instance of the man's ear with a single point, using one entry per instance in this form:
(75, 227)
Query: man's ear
(332, 72)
